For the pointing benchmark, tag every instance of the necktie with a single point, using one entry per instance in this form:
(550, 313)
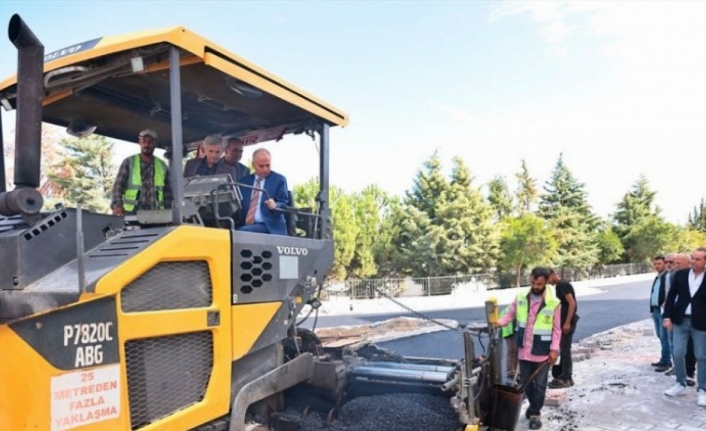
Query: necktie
(254, 200)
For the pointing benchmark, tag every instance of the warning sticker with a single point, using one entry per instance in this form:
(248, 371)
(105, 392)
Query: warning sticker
(85, 397)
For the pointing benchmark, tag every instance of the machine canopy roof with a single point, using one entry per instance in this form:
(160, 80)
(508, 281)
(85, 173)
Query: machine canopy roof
(121, 85)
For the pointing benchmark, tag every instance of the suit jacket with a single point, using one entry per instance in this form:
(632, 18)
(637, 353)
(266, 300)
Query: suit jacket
(191, 169)
(192, 166)
(236, 173)
(662, 286)
(276, 187)
(680, 297)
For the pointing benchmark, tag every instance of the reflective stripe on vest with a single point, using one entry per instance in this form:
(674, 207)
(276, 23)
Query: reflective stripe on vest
(543, 324)
(135, 183)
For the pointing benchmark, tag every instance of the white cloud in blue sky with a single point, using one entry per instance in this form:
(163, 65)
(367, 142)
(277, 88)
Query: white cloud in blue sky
(618, 87)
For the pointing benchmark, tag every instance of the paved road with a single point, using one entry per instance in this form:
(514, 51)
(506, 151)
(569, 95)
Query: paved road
(616, 306)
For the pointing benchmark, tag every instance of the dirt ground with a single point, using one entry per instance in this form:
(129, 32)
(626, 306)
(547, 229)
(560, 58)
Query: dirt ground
(376, 331)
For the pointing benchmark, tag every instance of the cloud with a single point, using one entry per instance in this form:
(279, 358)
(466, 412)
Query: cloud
(551, 18)
(644, 112)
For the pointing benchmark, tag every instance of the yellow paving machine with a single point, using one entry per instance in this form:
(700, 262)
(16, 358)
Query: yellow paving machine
(160, 321)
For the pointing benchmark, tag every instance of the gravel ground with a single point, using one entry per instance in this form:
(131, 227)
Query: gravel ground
(389, 412)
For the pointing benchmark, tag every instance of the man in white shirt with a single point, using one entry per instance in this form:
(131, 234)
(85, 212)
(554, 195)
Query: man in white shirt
(685, 315)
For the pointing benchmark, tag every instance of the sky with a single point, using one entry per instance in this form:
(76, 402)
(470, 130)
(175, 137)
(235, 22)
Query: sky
(617, 87)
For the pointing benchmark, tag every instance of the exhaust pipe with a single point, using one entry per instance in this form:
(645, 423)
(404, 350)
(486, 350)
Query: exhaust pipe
(30, 91)
(25, 199)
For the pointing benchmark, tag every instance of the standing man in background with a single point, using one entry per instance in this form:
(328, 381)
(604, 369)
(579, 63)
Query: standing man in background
(685, 314)
(142, 182)
(230, 163)
(681, 261)
(563, 373)
(657, 297)
(208, 164)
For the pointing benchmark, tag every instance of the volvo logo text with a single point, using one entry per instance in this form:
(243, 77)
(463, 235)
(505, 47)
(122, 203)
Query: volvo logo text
(294, 251)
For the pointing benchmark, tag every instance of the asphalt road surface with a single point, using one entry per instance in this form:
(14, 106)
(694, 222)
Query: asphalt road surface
(617, 305)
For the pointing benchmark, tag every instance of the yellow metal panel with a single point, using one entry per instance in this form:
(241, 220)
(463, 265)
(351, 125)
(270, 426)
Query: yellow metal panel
(191, 42)
(182, 244)
(26, 377)
(249, 321)
(185, 243)
(161, 323)
(26, 393)
(273, 88)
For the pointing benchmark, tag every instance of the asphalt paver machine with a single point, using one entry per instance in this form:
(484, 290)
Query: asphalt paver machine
(160, 321)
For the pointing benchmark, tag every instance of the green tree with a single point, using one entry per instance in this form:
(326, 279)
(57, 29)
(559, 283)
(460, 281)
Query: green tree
(429, 187)
(686, 240)
(305, 194)
(565, 207)
(444, 227)
(650, 236)
(84, 173)
(370, 206)
(527, 192)
(697, 219)
(413, 250)
(635, 213)
(525, 241)
(610, 249)
(343, 219)
(499, 198)
(470, 236)
(635, 205)
(345, 230)
(387, 254)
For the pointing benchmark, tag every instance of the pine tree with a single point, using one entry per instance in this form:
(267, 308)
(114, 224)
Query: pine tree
(637, 204)
(499, 198)
(638, 223)
(697, 220)
(470, 235)
(429, 186)
(445, 227)
(527, 192)
(565, 207)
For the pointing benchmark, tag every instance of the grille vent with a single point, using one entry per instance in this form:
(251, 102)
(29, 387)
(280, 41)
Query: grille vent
(37, 230)
(167, 374)
(169, 286)
(256, 270)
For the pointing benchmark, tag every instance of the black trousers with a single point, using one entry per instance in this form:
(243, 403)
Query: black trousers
(565, 368)
(537, 388)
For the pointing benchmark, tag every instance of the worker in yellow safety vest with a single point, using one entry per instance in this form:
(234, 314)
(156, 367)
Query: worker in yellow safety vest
(143, 180)
(537, 315)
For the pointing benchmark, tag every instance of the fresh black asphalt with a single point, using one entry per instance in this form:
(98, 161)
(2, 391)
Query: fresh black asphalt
(617, 305)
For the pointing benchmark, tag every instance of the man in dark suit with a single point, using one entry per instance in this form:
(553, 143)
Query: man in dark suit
(685, 315)
(230, 163)
(259, 209)
(657, 296)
